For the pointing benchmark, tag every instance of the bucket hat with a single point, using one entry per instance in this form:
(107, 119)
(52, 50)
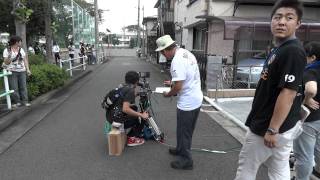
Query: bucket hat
(164, 42)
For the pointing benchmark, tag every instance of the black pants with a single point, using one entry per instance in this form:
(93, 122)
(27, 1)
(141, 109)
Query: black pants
(72, 57)
(186, 122)
(134, 123)
(57, 58)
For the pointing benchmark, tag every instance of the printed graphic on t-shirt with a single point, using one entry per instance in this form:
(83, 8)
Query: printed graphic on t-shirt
(289, 78)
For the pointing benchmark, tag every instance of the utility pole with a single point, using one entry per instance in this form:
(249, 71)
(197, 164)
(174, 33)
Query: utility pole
(96, 28)
(138, 28)
(143, 37)
(161, 17)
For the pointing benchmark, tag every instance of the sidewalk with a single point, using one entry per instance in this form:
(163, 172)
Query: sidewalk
(8, 117)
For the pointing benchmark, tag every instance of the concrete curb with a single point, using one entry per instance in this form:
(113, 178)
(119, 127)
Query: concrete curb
(225, 113)
(15, 115)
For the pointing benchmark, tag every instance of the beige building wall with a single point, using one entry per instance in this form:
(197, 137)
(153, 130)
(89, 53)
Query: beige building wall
(217, 45)
(187, 15)
(221, 8)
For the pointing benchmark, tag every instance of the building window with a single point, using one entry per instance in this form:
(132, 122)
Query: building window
(199, 39)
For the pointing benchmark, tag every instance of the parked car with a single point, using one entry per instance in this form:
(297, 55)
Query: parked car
(249, 70)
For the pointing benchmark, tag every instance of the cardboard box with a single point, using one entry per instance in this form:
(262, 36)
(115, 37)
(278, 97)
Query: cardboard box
(116, 142)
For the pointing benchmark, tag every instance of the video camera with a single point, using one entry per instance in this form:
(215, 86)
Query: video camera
(144, 84)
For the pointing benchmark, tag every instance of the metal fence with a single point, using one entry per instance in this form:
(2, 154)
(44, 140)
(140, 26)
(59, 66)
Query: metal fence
(216, 75)
(7, 91)
(80, 63)
(239, 77)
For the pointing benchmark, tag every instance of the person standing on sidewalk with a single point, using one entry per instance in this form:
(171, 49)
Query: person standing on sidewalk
(274, 118)
(71, 49)
(187, 85)
(16, 61)
(307, 146)
(56, 53)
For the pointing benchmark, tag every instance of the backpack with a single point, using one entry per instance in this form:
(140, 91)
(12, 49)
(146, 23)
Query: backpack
(112, 99)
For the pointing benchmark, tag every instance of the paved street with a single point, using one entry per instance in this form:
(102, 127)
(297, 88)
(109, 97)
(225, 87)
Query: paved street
(69, 143)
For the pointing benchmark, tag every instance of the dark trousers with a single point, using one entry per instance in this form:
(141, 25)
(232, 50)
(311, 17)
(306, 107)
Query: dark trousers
(72, 57)
(186, 122)
(134, 123)
(57, 58)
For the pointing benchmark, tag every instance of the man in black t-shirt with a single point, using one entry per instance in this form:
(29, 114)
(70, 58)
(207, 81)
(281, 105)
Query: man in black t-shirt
(130, 117)
(275, 110)
(307, 146)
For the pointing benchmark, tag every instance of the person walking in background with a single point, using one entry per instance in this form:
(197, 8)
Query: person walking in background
(89, 54)
(187, 85)
(16, 61)
(162, 62)
(56, 52)
(307, 146)
(82, 52)
(71, 49)
(274, 118)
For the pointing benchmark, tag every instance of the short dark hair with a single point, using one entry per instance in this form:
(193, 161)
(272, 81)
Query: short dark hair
(14, 39)
(173, 45)
(294, 4)
(131, 77)
(313, 48)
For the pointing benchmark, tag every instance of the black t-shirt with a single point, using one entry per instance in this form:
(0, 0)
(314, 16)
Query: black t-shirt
(129, 94)
(283, 69)
(116, 113)
(313, 75)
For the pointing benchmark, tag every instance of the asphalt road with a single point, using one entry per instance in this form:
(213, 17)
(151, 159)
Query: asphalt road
(69, 144)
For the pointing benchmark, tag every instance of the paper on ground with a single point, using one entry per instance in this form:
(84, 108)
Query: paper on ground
(162, 89)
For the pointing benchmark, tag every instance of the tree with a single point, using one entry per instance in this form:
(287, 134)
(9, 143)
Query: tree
(132, 28)
(21, 17)
(48, 30)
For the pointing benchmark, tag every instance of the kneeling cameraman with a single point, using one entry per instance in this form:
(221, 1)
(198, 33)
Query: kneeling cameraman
(127, 111)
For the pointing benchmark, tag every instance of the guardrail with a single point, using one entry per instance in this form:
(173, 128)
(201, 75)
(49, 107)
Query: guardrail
(7, 91)
(71, 62)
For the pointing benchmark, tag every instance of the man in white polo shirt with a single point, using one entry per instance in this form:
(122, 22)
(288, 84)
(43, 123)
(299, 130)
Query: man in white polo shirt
(187, 85)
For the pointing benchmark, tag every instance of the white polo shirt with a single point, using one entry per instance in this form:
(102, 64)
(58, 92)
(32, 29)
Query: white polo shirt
(184, 67)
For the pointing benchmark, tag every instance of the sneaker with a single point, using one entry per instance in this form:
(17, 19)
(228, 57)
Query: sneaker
(134, 141)
(27, 104)
(16, 105)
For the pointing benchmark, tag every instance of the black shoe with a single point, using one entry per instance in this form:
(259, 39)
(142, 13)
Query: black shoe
(185, 165)
(316, 173)
(173, 151)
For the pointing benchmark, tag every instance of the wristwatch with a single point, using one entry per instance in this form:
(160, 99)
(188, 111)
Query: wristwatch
(272, 131)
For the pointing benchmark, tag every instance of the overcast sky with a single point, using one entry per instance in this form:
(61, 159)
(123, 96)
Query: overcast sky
(123, 13)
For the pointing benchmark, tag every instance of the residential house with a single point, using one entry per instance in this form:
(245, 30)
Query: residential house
(236, 28)
(165, 17)
(151, 27)
(125, 38)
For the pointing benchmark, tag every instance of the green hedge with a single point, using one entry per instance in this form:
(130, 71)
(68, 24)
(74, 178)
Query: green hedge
(36, 59)
(45, 77)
